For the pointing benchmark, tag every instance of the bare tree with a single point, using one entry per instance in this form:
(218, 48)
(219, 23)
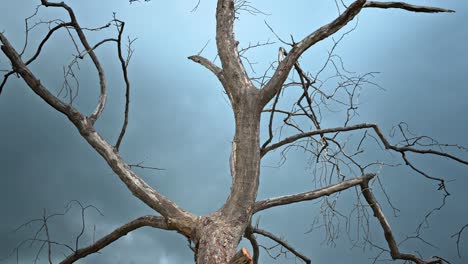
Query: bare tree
(339, 161)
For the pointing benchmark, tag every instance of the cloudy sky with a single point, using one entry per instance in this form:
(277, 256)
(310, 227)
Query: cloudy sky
(180, 121)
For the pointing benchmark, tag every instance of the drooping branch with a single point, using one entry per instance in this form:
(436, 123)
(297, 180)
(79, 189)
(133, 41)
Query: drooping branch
(270, 123)
(407, 7)
(84, 41)
(123, 63)
(152, 221)
(176, 217)
(282, 243)
(307, 196)
(392, 244)
(253, 241)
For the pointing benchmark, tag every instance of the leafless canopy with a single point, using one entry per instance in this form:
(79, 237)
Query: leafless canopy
(339, 162)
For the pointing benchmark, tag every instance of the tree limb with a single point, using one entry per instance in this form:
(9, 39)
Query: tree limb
(293, 138)
(393, 246)
(282, 72)
(20, 67)
(234, 72)
(357, 127)
(210, 66)
(175, 216)
(84, 41)
(153, 221)
(120, 27)
(307, 196)
(325, 31)
(253, 241)
(408, 7)
(38, 51)
(282, 243)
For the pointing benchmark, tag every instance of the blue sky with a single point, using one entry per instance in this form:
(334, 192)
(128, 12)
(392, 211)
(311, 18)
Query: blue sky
(181, 121)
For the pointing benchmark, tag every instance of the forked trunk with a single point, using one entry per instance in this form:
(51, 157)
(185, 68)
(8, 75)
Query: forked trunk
(218, 235)
(218, 240)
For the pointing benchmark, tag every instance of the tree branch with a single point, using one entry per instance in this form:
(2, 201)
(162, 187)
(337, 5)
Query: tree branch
(282, 243)
(307, 196)
(38, 51)
(458, 235)
(253, 241)
(357, 127)
(293, 138)
(234, 71)
(177, 217)
(153, 221)
(408, 7)
(123, 63)
(210, 66)
(20, 67)
(325, 31)
(84, 41)
(393, 246)
(282, 72)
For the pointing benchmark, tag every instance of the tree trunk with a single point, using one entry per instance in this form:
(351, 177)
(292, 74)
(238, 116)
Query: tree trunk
(217, 240)
(219, 234)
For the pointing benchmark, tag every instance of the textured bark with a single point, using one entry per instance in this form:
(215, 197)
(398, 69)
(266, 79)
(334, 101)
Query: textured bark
(218, 235)
(245, 157)
(216, 240)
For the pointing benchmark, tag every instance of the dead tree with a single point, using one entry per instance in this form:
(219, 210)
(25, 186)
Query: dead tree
(216, 236)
